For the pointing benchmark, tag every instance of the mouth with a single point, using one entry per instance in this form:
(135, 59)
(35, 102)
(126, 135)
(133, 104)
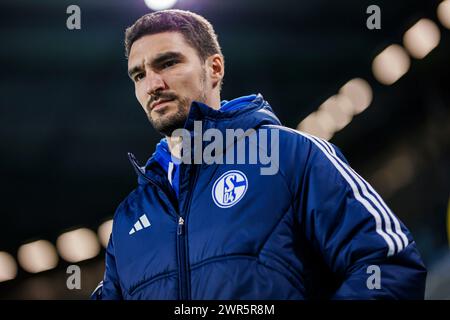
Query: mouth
(157, 105)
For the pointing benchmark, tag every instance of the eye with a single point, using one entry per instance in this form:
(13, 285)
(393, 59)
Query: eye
(138, 77)
(168, 63)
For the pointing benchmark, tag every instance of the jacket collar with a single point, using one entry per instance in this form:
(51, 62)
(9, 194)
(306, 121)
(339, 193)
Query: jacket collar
(248, 112)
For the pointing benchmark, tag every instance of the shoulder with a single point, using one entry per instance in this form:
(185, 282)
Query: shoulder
(288, 135)
(290, 142)
(301, 154)
(299, 142)
(126, 207)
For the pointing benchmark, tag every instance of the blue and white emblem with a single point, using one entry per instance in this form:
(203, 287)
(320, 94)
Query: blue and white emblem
(229, 188)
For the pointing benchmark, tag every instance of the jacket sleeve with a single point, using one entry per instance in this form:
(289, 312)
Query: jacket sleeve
(109, 288)
(369, 251)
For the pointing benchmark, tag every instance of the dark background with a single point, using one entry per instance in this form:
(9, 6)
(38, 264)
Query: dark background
(68, 115)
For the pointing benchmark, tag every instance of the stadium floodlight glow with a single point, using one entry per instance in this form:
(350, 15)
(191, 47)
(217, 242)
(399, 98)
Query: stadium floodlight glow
(78, 245)
(339, 110)
(104, 231)
(8, 267)
(391, 64)
(318, 124)
(160, 4)
(37, 256)
(359, 92)
(421, 38)
(443, 13)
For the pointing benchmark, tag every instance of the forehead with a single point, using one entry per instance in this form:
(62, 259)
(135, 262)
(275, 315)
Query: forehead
(149, 46)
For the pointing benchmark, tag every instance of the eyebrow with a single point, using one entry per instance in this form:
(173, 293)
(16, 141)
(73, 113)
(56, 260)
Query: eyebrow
(160, 58)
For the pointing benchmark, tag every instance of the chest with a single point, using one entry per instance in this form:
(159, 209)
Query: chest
(228, 210)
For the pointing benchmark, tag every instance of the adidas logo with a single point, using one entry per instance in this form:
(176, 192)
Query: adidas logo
(140, 224)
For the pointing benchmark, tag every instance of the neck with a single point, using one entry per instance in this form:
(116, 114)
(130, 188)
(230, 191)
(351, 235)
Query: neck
(214, 100)
(175, 143)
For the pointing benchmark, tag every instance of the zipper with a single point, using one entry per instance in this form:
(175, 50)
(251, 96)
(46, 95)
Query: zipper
(183, 293)
(180, 226)
(183, 260)
(141, 173)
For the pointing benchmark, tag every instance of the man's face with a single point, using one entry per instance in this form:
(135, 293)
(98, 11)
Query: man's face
(168, 75)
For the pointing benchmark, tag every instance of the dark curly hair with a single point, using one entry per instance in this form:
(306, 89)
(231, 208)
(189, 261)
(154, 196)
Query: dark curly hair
(197, 31)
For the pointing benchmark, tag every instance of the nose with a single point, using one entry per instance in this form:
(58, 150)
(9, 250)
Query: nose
(154, 82)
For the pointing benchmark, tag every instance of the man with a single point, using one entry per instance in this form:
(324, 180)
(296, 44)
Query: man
(314, 229)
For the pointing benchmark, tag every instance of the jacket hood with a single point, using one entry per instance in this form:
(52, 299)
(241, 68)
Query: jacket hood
(248, 112)
(252, 113)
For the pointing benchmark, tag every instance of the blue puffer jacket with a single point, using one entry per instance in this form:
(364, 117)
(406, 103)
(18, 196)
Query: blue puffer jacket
(315, 229)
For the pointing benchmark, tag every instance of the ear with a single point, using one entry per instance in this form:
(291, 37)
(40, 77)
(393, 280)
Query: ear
(216, 69)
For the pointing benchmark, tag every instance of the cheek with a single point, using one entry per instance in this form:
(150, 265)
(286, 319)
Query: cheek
(187, 79)
(140, 95)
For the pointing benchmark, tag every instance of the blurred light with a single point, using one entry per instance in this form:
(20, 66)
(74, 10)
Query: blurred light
(391, 64)
(104, 231)
(359, 92)
(443, 13)
(325, 121)
(421, 38)
(160, 4)
(8, 267)
(340, 111)
(318, 124)
(37, 256)
(77, 245)
(395, 174)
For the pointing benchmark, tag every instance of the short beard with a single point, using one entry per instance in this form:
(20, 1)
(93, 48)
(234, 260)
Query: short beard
(167, 125)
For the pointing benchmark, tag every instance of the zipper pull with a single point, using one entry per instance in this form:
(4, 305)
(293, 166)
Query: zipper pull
(180, 226)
